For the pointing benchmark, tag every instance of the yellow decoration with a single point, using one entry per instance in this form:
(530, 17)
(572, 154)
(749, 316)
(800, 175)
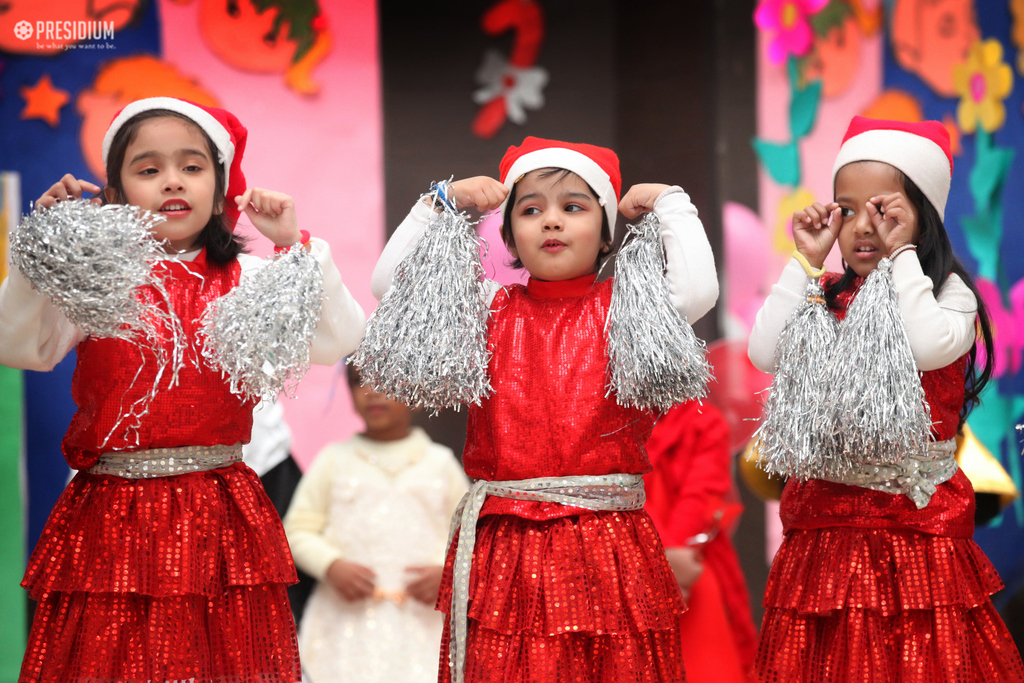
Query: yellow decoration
(761, 484)
(797, 200)
(982, 82)
(985, 472)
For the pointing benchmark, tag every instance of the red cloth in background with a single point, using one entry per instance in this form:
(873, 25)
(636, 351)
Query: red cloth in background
(691, 482)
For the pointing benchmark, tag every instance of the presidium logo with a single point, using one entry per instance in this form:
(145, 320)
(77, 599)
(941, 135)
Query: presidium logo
(65, 30)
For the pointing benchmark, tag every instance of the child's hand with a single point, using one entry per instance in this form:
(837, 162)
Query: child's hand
(353, 581)
(425, 585)
(815, 230)
(640, 199)
(272, 213)
(67, 187)
(483, 192)
(896, 223)
(687, 565)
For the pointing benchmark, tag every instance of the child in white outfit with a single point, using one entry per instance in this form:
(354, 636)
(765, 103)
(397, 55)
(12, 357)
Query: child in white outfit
(370, 521)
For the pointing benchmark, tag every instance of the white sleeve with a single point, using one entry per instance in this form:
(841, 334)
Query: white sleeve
(778, 308)
(401, 244)
(940, 329)
(690, 264)
(342, 321)
(307, 516)
(34, 334)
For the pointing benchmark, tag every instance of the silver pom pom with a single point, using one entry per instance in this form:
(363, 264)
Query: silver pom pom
(89, 260)
(787, 437)
(426, 343)
(874, 409)
(259, 334)
(655, 360)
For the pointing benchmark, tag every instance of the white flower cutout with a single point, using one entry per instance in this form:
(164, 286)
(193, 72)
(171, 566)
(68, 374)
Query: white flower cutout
(522, 88)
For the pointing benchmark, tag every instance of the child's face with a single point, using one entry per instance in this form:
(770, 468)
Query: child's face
(168, 169)
(859, 242)
(556, 225)
(384, 418)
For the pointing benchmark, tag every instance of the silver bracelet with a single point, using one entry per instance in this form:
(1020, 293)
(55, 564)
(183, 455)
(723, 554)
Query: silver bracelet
(900, 250)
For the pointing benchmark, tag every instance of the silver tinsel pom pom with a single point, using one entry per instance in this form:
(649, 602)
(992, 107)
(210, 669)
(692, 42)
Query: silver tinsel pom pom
(787, 437)
(89, 260)
(259, 334)
(874, 408)
(655, 360)
(426, 344)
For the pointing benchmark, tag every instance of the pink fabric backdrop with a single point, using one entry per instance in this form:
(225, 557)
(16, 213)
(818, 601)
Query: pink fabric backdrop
(325, 151)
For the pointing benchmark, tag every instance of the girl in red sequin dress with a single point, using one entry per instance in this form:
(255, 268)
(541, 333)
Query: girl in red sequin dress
(164, 560)
(874, 585)
(558, 591)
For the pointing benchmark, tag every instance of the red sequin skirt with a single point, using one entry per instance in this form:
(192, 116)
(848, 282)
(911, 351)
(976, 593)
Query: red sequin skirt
(586, 598)
(847, 605)
(164, 579)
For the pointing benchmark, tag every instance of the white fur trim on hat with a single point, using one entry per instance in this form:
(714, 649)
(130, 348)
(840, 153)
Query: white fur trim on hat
(920, 159)
(570, 160)
(202, 118)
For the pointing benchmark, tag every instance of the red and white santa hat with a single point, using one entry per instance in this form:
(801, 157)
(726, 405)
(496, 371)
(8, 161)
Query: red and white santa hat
(920, 150)
(598, 166)
(226, 132)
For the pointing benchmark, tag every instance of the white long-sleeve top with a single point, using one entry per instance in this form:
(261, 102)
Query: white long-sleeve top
(347, 472)
(940, 328)
(36, 335)
(692, 278)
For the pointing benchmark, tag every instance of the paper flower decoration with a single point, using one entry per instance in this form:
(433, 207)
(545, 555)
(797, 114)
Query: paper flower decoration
(795, 201)
(516, 88)
(786, 23)
(982, 82)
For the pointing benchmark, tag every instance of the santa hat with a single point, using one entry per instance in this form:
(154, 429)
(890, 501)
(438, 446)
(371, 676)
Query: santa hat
(920, 150)
(598, 166)
(226, 132)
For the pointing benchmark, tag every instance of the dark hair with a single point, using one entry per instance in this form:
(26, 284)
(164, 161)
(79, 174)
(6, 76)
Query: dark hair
(352, 374)
(506, 218)
(935, 252)
(222, 244)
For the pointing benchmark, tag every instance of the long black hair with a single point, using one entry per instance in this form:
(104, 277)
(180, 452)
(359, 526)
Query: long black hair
(935, 252)
(222, 243)
(506, 218)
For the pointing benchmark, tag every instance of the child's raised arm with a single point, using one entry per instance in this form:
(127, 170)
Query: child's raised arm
(691, 273)
(342, 320)
(480, 192)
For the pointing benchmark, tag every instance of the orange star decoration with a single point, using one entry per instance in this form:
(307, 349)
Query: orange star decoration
(43, 101)
(982, 82)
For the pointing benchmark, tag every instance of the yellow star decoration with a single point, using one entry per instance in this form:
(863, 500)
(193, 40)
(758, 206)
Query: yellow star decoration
(982, 82)
(797, 200)
(43, 101)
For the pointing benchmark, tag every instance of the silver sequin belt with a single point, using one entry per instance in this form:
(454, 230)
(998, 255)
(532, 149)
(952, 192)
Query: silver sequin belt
(166, 462)
(600, 492)
(917, 477)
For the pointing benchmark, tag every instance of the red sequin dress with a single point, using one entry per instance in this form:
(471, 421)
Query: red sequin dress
(866, 587)
(170, 578)
(689, 493)
(560, 593)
